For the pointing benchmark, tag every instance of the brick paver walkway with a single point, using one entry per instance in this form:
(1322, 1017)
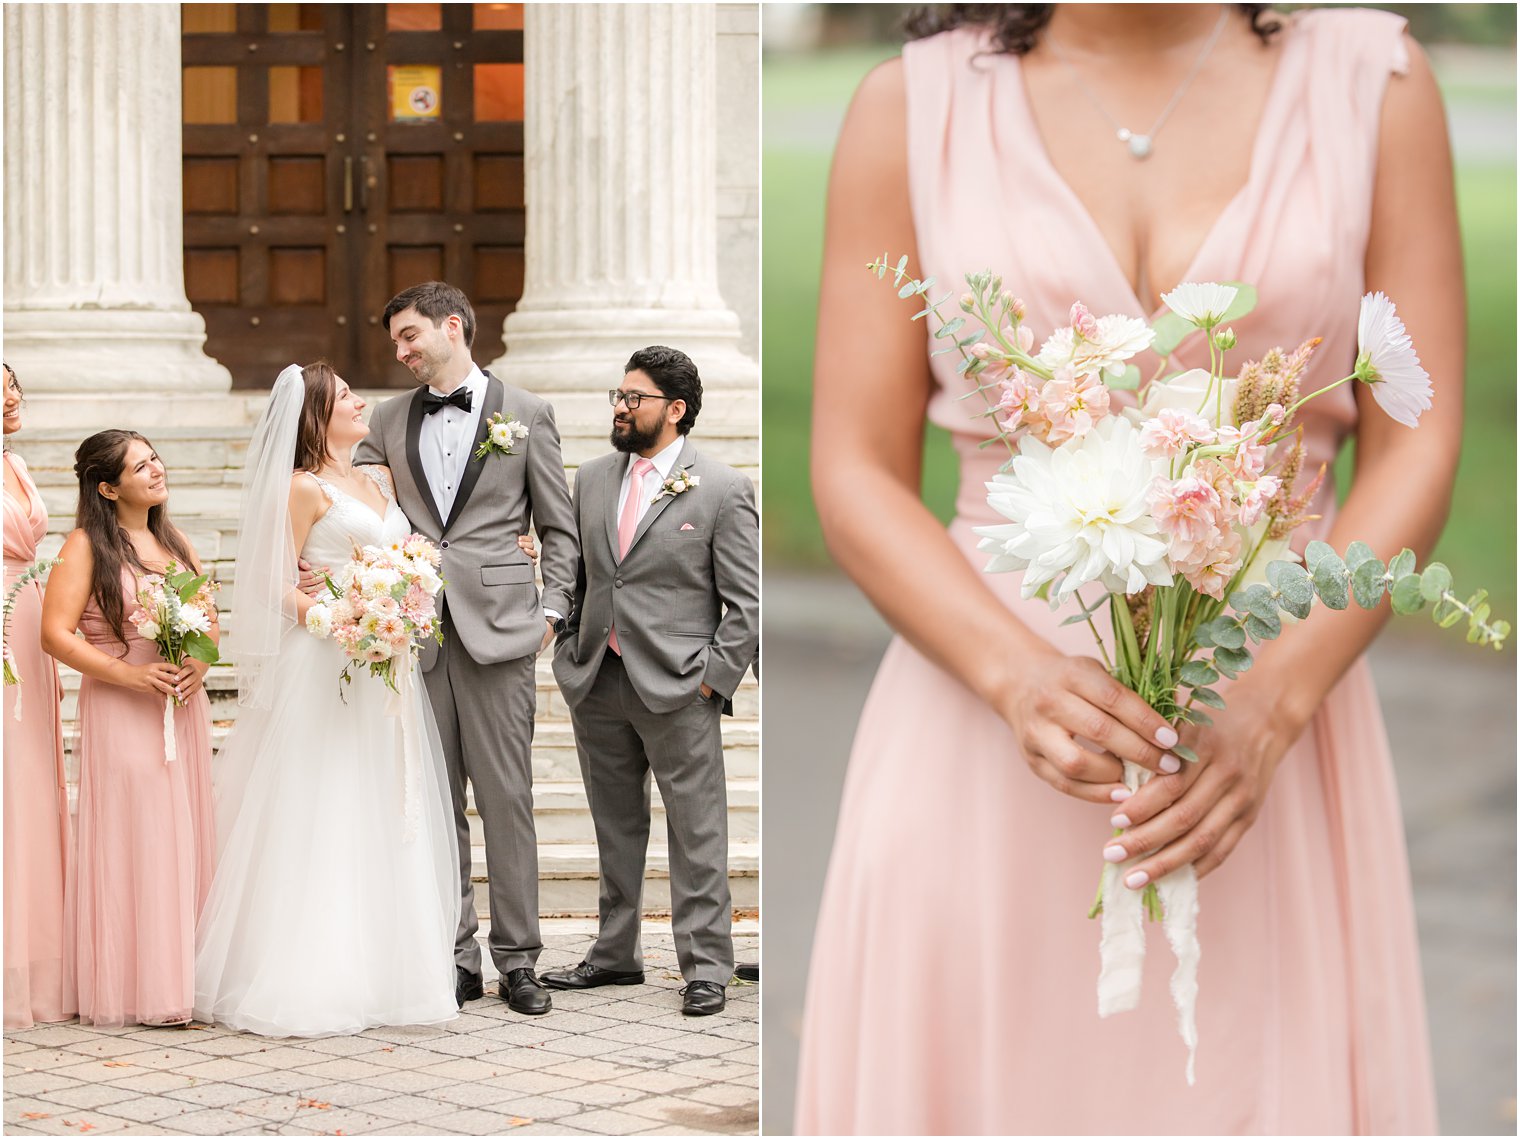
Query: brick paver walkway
(611, 1061)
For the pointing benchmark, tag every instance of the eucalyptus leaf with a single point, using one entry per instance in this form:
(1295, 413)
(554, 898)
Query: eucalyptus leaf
(1127, 381)
(1255, 599)
(1200, 717)
(1231, 662)
(1197, 673)
(1171, 330)
(1203, 637)
(1447, 613)
(1227, 633)
(1331, 581)
(1403, 562)
(1075, 619)
(907, 290)
(1264, 628)
(1368, 581)
(1434, 581)
(1292, 581)
(1316, 550)
(1244, 302)
(1357, 553)
(1405, 595)
(1208, 696)
(1186, 753)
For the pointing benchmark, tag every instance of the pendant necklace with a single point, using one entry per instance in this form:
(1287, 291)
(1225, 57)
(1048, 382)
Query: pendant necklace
(1141, 145)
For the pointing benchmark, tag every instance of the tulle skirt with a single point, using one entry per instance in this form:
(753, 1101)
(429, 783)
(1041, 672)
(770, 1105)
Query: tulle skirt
(336, 894)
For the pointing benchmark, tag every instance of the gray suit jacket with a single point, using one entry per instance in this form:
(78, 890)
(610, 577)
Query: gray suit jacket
(686, 598)
(490, 592)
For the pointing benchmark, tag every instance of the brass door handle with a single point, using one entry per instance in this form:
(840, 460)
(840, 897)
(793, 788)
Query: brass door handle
(348, 185)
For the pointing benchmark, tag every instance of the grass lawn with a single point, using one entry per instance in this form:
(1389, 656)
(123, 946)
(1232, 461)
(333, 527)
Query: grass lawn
(803, 100)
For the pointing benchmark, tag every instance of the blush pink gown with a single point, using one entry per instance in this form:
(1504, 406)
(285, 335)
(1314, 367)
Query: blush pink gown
(36, 791)
(146, 846)
(954, 970)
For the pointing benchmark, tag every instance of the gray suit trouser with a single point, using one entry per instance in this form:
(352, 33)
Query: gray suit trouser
(620, 742)
(485, 722)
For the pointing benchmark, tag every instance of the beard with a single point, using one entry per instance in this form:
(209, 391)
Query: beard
(627, 438)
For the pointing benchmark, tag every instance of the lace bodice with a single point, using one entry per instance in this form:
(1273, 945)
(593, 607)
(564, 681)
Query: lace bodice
(349, 520)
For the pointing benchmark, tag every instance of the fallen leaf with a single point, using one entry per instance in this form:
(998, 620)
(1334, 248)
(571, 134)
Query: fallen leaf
(518, 1121)
(316, 1103)
(390, 1049)
(36, 1115)
(83, 1126)
(117, 1064)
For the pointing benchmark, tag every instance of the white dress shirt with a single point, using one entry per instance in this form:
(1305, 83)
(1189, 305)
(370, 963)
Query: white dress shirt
(664, 463)
(447, 440)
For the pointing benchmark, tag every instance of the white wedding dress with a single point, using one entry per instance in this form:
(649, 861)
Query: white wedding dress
(336, 894)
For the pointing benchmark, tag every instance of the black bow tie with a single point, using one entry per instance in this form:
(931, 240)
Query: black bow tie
(459, 397)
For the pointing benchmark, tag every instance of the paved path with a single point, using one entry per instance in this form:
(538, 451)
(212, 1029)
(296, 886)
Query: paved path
(1451, 715)
(612, 1061)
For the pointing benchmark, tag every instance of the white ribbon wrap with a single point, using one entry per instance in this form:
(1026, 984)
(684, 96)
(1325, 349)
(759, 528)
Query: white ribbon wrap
(1122, 946)
(169, 751)
(401, 706)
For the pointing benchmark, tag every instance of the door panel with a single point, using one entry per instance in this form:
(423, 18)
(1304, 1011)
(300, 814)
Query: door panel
(336, 154)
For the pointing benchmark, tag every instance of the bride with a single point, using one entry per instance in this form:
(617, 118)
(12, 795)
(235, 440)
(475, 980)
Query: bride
(336, 894)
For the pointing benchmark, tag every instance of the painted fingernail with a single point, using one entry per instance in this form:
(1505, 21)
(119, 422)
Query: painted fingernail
(1166, 736)
(1136, 879)
(1119, 794)
(1170, 765)
(1115, 853)
(1121, 822)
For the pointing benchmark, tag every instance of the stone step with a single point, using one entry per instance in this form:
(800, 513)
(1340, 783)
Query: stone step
(568, 881)
(561, 814)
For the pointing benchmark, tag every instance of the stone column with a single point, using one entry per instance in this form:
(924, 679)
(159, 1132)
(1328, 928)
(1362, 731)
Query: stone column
(94, 271)
(622, 208)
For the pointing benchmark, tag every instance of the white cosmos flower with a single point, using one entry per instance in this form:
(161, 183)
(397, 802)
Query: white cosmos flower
(1386, 361)
(1201, 304)
(1079, 513)
(1119, 338)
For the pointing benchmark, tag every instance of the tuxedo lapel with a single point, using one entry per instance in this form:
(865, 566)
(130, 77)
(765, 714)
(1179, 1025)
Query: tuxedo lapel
(496, 394)
(652, 487)
(610, 488)
(414, 455)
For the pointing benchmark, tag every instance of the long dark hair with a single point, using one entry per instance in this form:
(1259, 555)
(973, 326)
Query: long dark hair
(100, 458)
(1016, 27)
(316, 411)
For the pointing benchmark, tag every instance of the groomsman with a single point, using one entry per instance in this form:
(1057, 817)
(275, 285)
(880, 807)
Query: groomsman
(474, 494)
(665, 621)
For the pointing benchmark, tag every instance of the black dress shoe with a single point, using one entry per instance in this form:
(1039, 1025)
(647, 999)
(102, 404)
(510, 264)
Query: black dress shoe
(467, 986)
(589, 976)
(522, 992)
(703, 998)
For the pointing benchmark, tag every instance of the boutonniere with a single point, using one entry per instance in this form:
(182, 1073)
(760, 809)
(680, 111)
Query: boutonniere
(502, 433)
(678, 483)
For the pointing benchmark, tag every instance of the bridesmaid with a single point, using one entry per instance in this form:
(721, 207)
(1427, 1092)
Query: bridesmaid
(36, 792)
(146, 850)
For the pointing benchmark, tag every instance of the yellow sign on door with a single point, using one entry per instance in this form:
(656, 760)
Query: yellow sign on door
(415, 93)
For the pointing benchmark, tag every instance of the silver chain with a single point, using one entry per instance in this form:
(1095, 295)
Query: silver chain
(1141, 145)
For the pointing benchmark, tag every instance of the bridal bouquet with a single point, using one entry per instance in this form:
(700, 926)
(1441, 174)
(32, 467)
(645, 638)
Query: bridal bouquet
(383, 605)
(176, 610)
(1175, 516)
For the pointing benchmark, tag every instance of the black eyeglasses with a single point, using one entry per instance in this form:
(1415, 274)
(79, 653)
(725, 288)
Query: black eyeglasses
(633, 399)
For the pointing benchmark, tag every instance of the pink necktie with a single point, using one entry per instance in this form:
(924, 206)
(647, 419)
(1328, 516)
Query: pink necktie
(628, 522)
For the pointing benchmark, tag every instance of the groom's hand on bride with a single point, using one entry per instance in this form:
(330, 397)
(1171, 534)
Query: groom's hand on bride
(312, 581)
(1199, 815)
(1058, 699)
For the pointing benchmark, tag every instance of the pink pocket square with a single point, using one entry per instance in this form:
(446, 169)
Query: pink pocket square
(687, 526)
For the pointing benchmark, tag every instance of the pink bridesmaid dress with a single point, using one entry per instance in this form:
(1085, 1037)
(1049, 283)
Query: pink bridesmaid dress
(146, 846)
(36, 792)
(954, 970)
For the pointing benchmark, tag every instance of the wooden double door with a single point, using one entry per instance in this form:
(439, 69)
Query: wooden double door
(335, 154)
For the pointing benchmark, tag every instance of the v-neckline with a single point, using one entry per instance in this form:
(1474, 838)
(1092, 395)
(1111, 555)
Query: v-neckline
(380, 515)
(1095, 232)
(26, 502)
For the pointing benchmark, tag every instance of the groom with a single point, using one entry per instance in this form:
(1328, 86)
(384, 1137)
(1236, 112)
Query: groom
(480, 683)
(666, 620)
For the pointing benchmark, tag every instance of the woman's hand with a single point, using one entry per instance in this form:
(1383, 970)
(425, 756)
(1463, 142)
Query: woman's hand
(525, 544)
(1199, 814)
(157, 677)
(1064, 697)
(191, 677)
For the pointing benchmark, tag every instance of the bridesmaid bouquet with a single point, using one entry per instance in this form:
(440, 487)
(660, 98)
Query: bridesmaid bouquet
(1177, 513)
(383, 605)
(176, 610)
(34, 572)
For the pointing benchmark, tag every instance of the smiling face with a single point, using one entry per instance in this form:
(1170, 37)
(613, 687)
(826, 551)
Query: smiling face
(427, 349)
(143, 482)
(652, 426)
(12, 402)
(346, 425)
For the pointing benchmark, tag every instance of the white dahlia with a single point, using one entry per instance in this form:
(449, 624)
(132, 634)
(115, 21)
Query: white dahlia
(1386, 361)
(1079, 513)
(1117, 339)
